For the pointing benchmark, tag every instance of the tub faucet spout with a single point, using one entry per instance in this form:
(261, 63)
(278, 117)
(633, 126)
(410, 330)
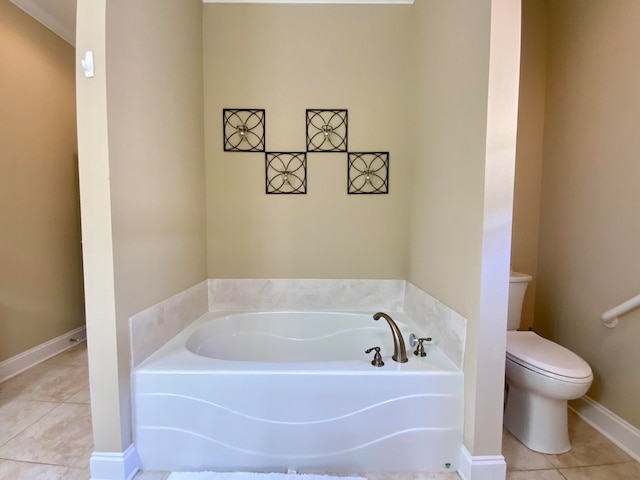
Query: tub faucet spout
(399, 350)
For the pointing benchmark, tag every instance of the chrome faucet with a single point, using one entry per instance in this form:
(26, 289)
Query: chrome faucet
(399, 350)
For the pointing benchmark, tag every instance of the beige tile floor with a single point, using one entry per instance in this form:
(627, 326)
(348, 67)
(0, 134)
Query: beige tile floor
(45, 420)
(592, 457)
(45, 434)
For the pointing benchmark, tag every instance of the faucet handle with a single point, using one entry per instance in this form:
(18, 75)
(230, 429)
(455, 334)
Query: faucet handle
(419, 351)
(377, 358)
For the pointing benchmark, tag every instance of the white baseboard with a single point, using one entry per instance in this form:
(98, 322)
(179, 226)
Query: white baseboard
(21, 362)
(115, 466)
(619, 431)
(488, 467)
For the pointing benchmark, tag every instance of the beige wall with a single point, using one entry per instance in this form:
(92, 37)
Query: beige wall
(143, 173)
(448, 189)
(526, 201)
(285, 59)
(156, 142)
(447, 202)
(41, 293)
(486, 349)
(590, 227)
(97, 251)
(462, 198)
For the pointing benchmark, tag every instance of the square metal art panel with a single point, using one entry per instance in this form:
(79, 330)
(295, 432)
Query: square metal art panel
(243, 130)
(327, 130)
(368, 172)
(286, 172)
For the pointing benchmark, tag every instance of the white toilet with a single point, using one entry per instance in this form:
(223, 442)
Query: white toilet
(541, 377)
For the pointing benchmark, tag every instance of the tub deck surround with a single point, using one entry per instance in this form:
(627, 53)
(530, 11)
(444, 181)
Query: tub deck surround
(155, 326)
(324, 409)
(306, 294)
(447, 327)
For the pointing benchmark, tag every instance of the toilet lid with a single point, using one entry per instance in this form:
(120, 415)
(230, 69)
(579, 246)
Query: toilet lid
(528, 348)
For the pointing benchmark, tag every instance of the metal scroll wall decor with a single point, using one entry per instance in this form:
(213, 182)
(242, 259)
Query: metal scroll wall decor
(286, 172)
(327, 130)
(244, 130)
(368, 172)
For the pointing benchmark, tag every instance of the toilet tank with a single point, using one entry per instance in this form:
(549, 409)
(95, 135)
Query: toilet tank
(518, 283)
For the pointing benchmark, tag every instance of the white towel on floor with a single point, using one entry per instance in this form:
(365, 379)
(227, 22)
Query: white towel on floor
(253, 476)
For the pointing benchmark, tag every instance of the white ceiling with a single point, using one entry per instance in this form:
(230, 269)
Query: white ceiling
(60, 15)
(57, 15)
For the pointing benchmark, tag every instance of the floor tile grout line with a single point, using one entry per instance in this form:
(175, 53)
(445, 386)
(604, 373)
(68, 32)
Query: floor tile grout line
(35, 463)
(596, 465)
(536, 469)
(31, 462)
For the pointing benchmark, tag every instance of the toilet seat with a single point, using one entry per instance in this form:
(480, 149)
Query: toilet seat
(547, 358)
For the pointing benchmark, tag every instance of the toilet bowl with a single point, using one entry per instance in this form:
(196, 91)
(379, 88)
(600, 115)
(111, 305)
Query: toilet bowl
(541, 377)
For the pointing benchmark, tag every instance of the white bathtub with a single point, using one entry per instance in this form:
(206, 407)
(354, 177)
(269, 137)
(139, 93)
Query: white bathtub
(278, 390)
